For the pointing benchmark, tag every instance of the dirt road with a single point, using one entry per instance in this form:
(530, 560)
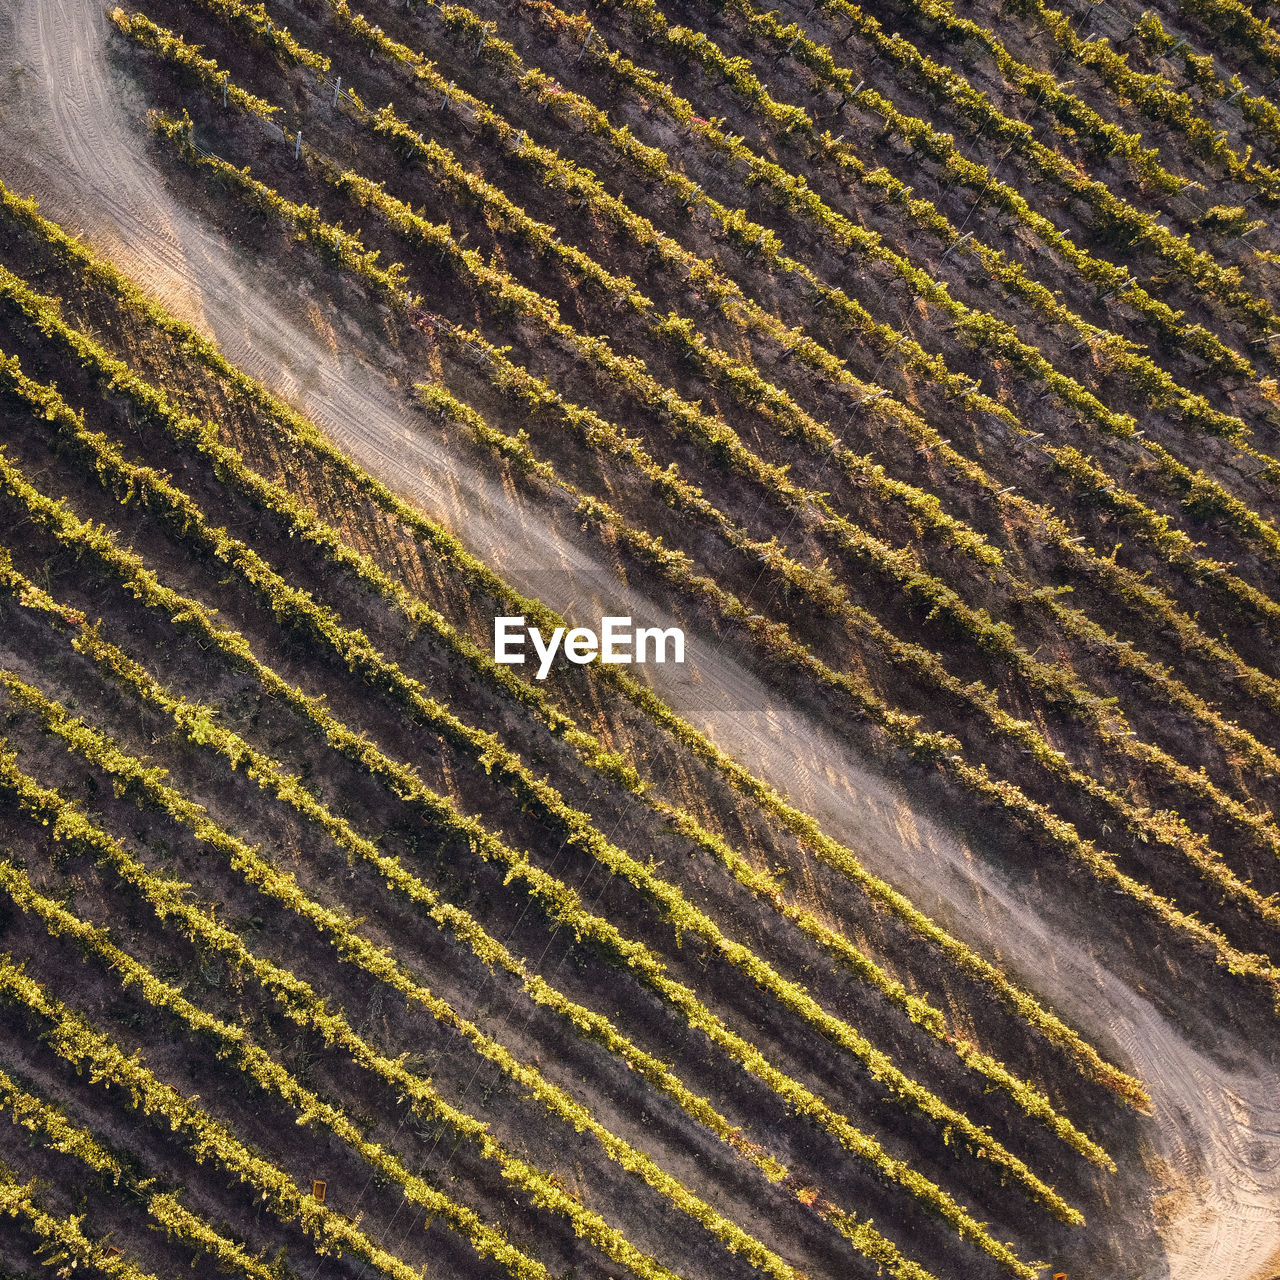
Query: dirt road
(70, 134)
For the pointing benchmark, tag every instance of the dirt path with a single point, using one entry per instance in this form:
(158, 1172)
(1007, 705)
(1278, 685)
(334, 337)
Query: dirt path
(70, 135)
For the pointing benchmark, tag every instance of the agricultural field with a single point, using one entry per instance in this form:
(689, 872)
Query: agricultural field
(917, 362)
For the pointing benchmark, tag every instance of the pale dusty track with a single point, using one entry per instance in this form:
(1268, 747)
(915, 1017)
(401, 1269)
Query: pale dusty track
(69, 135)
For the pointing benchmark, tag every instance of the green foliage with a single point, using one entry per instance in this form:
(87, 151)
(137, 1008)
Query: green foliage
(985, 331)
(62, 1242)
(205, 71)
(298, 1000)
(353, 648)
(1231, 20)
(1153, 95)
(91, 1052)
(49, 1124)
(555, 896)
(1228, 220)
(1136, 515)
(715, 436)
(947, 86)
(302, 433)
(903, 730)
